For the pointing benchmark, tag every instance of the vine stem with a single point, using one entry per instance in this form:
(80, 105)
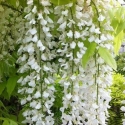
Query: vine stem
(96, 54)
(72, 51)
(40, 63)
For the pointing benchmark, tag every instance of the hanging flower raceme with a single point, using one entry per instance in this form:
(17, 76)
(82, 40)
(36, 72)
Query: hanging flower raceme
(37, 56)
(76, 30)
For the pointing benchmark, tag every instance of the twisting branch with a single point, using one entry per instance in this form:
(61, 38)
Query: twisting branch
(11, 7)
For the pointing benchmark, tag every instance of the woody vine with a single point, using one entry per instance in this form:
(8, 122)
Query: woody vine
(65, 53)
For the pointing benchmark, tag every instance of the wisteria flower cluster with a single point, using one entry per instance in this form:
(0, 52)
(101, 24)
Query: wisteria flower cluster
(9, 34)
(55, 40)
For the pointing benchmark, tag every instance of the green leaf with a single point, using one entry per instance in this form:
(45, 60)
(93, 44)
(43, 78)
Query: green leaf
(62, 2)
(2, 118)
(12, 117)
(23, 3)
(120, 27)
(90, 52)
(6, 122)
(12, 122)
(2, 105)
(12, 2)
(117, 42)
(11, 84)
(105, 54)
(2, 87)
(20, 116)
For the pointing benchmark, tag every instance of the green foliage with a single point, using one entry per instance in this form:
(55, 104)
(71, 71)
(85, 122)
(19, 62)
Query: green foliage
(105, 54)
(58, 102)
(89, 53)
(117, 89)
(117, 15)
(62, 2)
(2, 87)
(11, 84)
(7, 121)
(9, 106)
(12, 2)
(117, 95)
(120, 59)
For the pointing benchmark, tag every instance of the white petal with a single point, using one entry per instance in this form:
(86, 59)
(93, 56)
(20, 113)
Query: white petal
(62, 26)
(38, 106)
(101, 18)
(76, 98)
(30, 90)
(49, 20)
(35, 118)
(72, 45)
(33, 31)
(47, 81)
(43, 22)
(29, 1)
(123, 108)
(95, 106)
(46, 68)
(39, 44)
(60, 20)
(92, 38)
(45, 29)
(32, 83)
(92, 29)
(80, 44)
(23, 101)
(40, 16)
(35, 38)
(33, 104)
(77, 34)
(43, 57)
(65, 13)
(34, 10)
(37, 94)
(79, 55)
(32, 21)
(97, 31)
(45, 3)
(73, 77)
(29, 98)
(103, 38)
(70, 34)
(68, 96)
(45, 94)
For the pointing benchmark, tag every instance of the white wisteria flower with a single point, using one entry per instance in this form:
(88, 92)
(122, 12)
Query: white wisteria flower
(73, 45)
(101, 17)
(80, 44)
(77, 34)
(37, 94)
(45, 94)
(69, 96)
(32, 83)
(40, 45)
(70, 34)
(29, 1)
(33, 31)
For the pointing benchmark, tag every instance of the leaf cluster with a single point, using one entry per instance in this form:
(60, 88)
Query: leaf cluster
(120, 59)
(117, 88)
(117, 15)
